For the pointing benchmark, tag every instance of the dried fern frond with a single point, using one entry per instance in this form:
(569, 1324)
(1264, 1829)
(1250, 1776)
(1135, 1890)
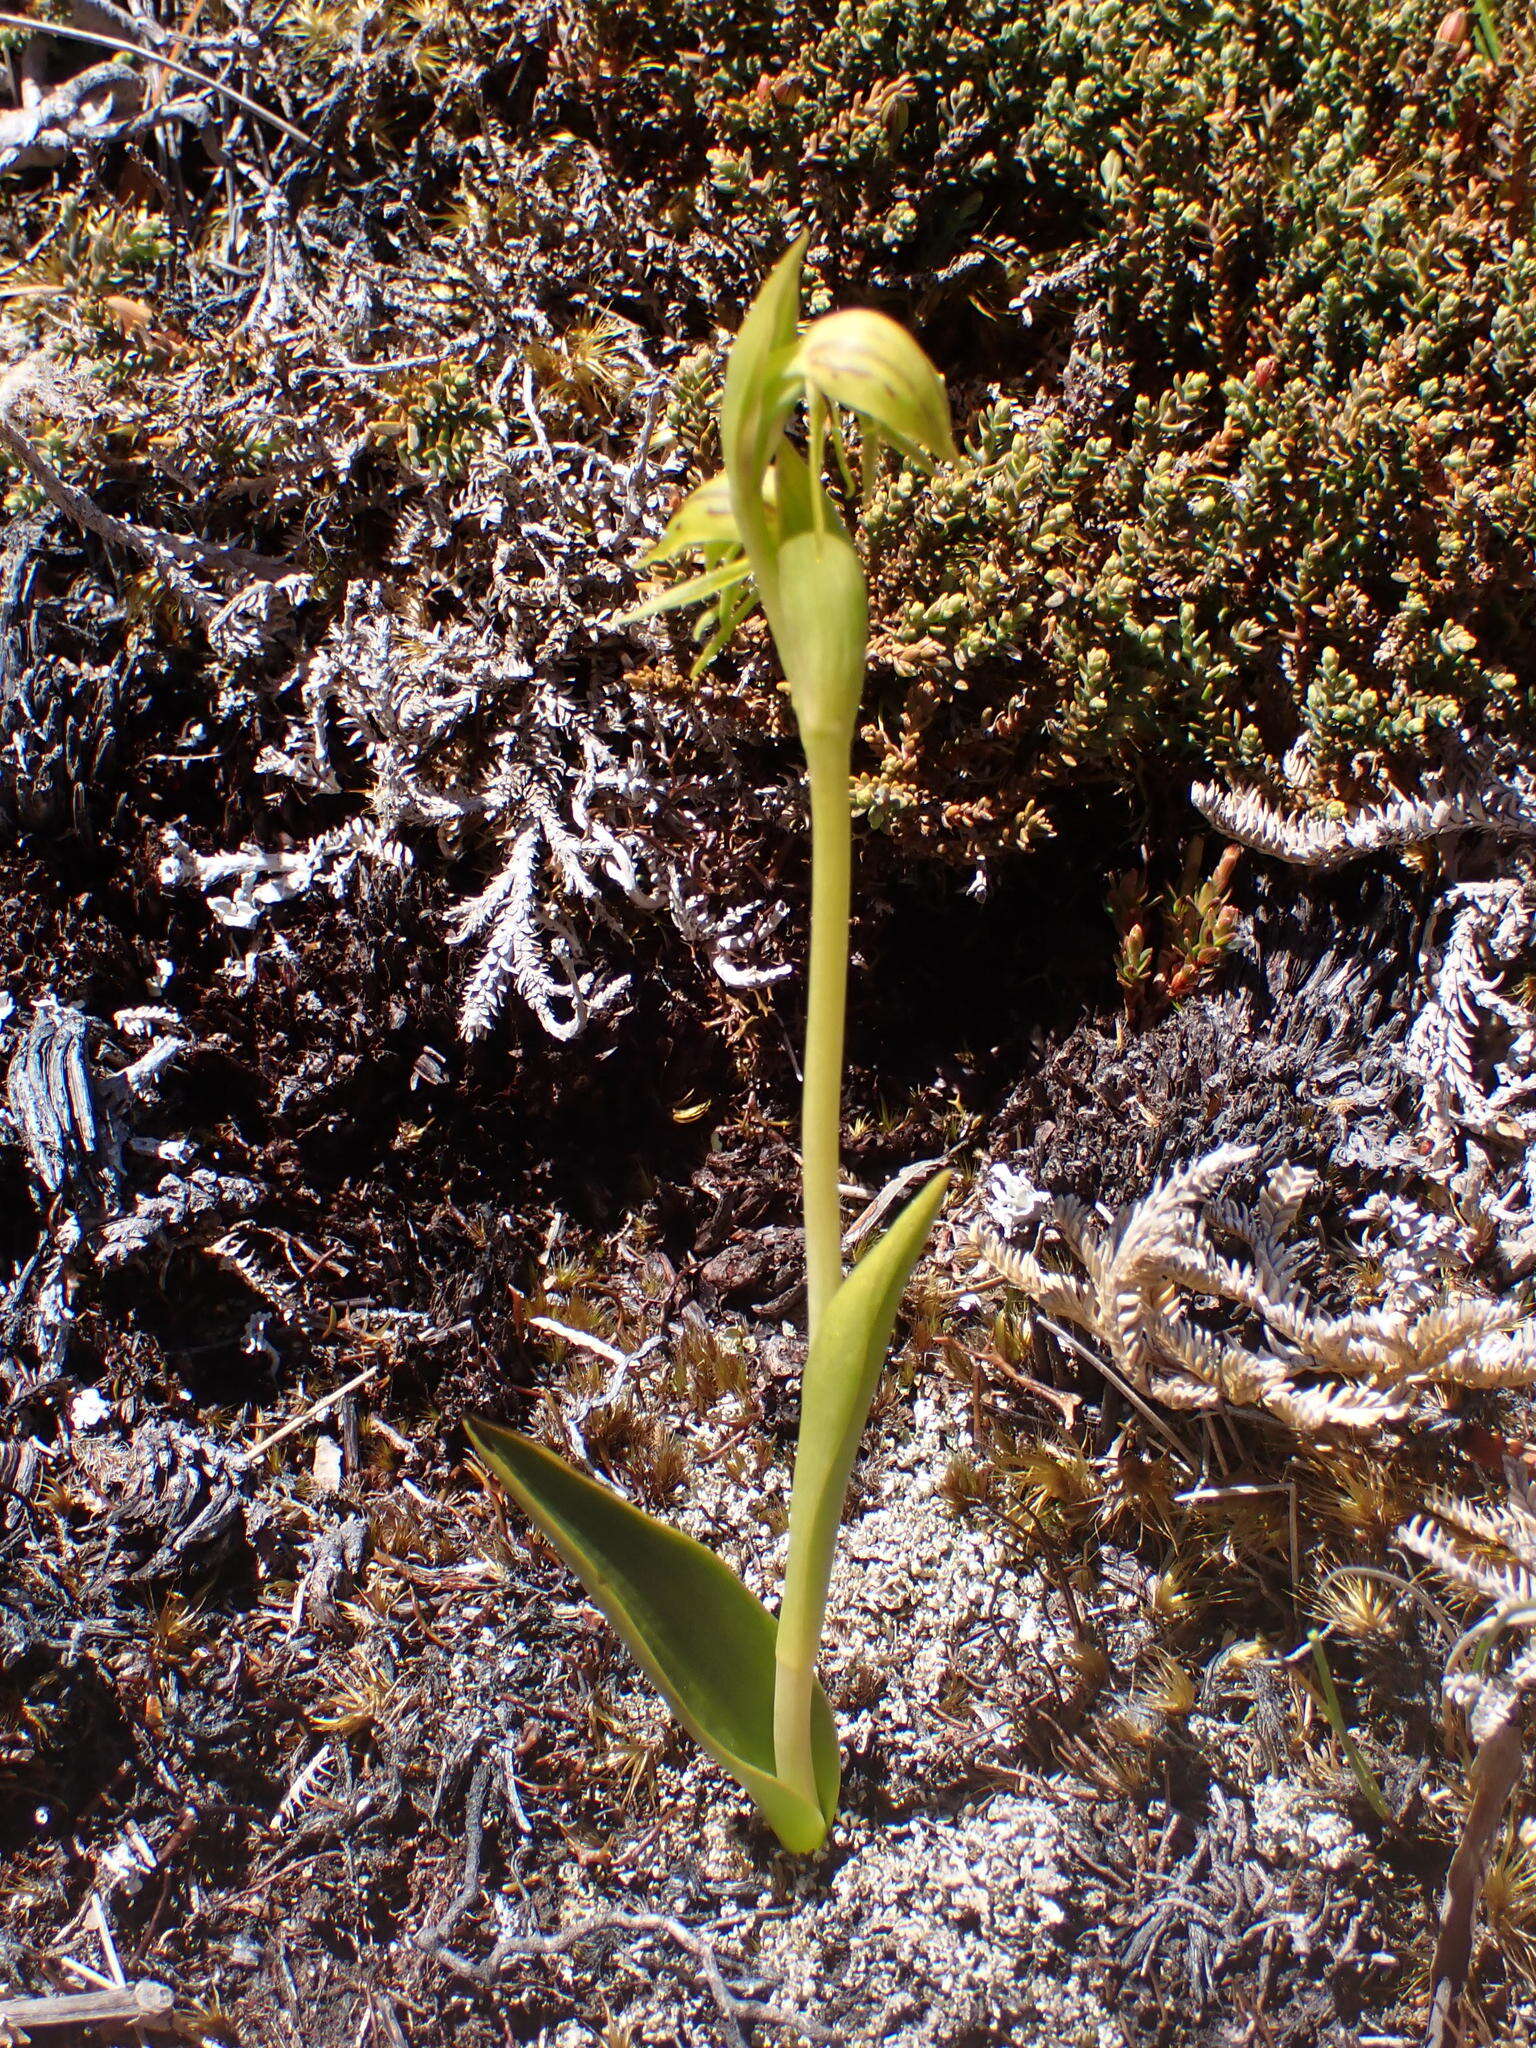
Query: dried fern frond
(1507, 1525)
(1487, 1552)
(1506, 1581)
(1170, 1307)
(1321, 840)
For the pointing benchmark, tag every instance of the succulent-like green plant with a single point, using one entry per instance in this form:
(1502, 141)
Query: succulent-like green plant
(740, 1680)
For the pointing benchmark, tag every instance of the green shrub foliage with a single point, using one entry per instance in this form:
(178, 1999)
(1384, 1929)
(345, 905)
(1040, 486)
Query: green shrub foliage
(1245, 293)
(1235, 301)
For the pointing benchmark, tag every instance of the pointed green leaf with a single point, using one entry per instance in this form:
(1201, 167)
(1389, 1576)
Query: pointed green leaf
(820, 625)
(704, 1641)
(734, 607)
(694, 591)
(840, 1377)
(704, 519)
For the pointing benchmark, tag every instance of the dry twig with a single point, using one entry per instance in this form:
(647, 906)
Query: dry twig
(176, 64)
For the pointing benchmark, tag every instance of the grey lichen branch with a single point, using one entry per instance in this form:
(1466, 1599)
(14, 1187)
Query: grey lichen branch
(73, 1100)
(142, 32)
(1475, 797)
(1472, 1051)
(465, 739)
(734, 2009)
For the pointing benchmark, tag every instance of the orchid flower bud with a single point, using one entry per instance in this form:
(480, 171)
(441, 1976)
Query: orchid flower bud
(821, 627)
(862, 360)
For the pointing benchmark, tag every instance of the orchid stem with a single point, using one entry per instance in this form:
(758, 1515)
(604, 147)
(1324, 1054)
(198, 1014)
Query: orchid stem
(800, 1617)
(827, 760)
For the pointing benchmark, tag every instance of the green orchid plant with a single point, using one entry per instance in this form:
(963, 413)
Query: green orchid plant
(742, 1681)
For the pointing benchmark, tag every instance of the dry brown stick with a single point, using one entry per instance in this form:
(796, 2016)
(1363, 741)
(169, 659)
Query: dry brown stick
(311, 1414)
(134, 2005)
(151, 56)
(170, 553)
(75, 505)
(1494, 1775)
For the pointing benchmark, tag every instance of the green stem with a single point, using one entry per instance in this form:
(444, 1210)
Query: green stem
(816, 454)
(794, 1682)
(799, 1634)
(827, 760)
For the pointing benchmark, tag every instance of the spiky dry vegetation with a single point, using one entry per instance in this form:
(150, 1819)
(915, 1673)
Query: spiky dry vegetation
(333, 422)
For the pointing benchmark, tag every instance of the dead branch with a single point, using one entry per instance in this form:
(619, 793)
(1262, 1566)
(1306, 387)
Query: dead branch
(1494, 1775)
(169, 553)
(141, 2004)
(227, 92)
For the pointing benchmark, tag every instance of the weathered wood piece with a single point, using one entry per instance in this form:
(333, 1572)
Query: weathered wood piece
(133, 2004)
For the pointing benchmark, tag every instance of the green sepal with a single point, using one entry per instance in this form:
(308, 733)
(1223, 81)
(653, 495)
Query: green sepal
(865, 361)
(793, 498)
(841, 1374)
(700, 1636)
(760, 391)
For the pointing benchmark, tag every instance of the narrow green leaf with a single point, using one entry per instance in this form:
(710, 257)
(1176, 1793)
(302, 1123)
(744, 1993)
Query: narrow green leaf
(694, 591)
(840, 450)
(1365, 1777)
(704, 519)
(840, 1377)
(733, 609)
(699, 1635)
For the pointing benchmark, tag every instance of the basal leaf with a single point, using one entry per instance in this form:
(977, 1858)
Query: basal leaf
(702, 1638)
(734, 607)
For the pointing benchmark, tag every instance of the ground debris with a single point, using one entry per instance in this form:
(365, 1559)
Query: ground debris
(397, 956)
